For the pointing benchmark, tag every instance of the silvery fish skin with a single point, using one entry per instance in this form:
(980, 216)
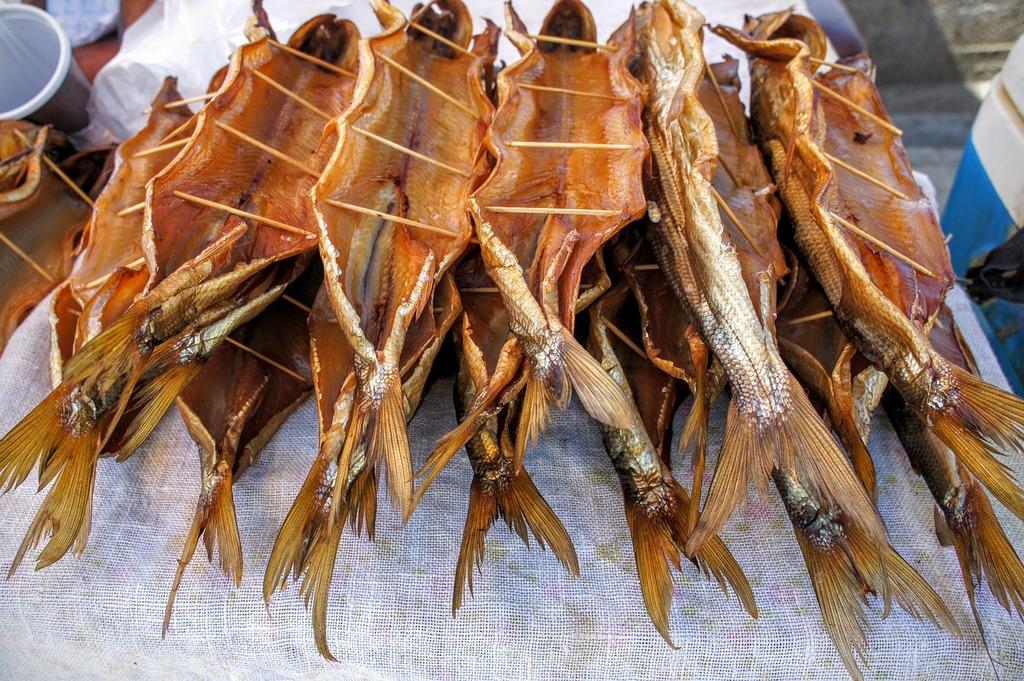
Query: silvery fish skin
(771, 424)
(883, 300)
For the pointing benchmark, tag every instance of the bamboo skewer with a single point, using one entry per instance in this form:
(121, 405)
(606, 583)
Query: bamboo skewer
(647, 267)
(565, 91)
(541, 210)
(186, 101)
(571, 41)
(440, 38)
(721, 100)
(856, 107)
(297, 303)
(736, 221)
(99, 280)
(25, 256)
(406, 150)
(177, 144)
(270, 150)
(885, 247)
(388, 216)
(177, 131)
(426, 83)
(479, 289)
(811, 317)
(832, 64)
(137, 208)
(57, 171)
(566, 145)
(311, 59)
(242, 214)
(302, 101)
(264, 358)
(623, 337)
(867, 178)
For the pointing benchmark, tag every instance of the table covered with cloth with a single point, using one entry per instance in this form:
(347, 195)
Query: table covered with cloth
(100, 616)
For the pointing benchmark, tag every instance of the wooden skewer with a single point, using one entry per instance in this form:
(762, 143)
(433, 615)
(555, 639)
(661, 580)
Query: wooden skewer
(721, 100)
(868, 178)
(565, 91)
(190, 100)
(541, 210)
(177, 131)
(832, 64)
(138, 207)
(479, 289)
(623, 337)
(24, 256)
(264, 358)
(571, 41)
(302, 101)
(567, 145)
(647, 267)
(426, 83)
(856, 107)
(811, 317)
(270, 150)
(440, 38)
(177, 144)
(406, 150)
(297, 303)
(57, 171)
(387, 216)
(96, 282)
(736, 221)
(242, 214)
(311, 59)
(885, 247)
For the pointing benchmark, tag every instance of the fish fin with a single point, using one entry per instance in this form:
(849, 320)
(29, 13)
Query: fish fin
(447, 447)
(917, 598)
(942, 531)
(388, 446)
(216, 522)
(115, 344)
(316, 585)
(66, 512)
(362, 503)
(601, 396)
(977, 422)
(534, 412)
(41, 437)
(149, 404)
(695, 436)
(840, 597)
(517, 500)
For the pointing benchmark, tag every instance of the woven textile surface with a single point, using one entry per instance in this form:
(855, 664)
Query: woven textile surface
(100, 616)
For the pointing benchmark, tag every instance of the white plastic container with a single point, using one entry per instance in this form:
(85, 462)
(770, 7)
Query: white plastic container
(39, 78)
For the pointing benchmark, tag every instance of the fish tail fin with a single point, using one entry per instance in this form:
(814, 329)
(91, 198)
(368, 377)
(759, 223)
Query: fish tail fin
(216, 522)
(447, 447)
(316, 585)
(387, 444)
(517, 500)
(66, 512)
(40, 438)
(534, 412)
(917, 598)
(149, 404)
(362, 503)
(978, 422)
(695, 436)
(658, 535)
(601, 396)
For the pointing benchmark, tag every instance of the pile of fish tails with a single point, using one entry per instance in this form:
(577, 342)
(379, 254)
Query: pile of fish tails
(339, 206)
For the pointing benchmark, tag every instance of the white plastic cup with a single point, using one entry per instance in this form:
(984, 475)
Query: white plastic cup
(39, 78)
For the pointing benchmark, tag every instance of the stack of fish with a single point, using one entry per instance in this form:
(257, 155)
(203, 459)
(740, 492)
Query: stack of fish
(788, 262)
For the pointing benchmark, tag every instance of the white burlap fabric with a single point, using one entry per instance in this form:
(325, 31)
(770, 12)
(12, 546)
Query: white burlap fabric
(100, 616)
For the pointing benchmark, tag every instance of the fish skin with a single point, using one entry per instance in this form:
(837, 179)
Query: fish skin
(771, 424)
(975, 420)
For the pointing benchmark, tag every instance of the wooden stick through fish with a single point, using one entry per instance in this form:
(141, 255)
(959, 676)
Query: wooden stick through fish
(440, 38)
(647, 267)
(721, 100)
(825, 314)
(623, 337)
(388, 216)
(25, 256)
(311, 59)
(864, 176)
(137, 208)
(566, 91)
(297, 303)
(57, 171)
(885, 247)
(302, 101)
(264, 358)
(736, 221)
(407, 150)
(426, 83)
(571, 41)
(543, 210)
(177, 144)
(99, 280)
(243, 214)
(177, 131)
(566, 145)
(856, 107)
(269, 149)
(479, 289)
(184, 102)
(832, 64)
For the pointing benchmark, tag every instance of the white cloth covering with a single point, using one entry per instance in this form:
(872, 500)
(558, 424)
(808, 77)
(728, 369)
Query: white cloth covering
(100, 616)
